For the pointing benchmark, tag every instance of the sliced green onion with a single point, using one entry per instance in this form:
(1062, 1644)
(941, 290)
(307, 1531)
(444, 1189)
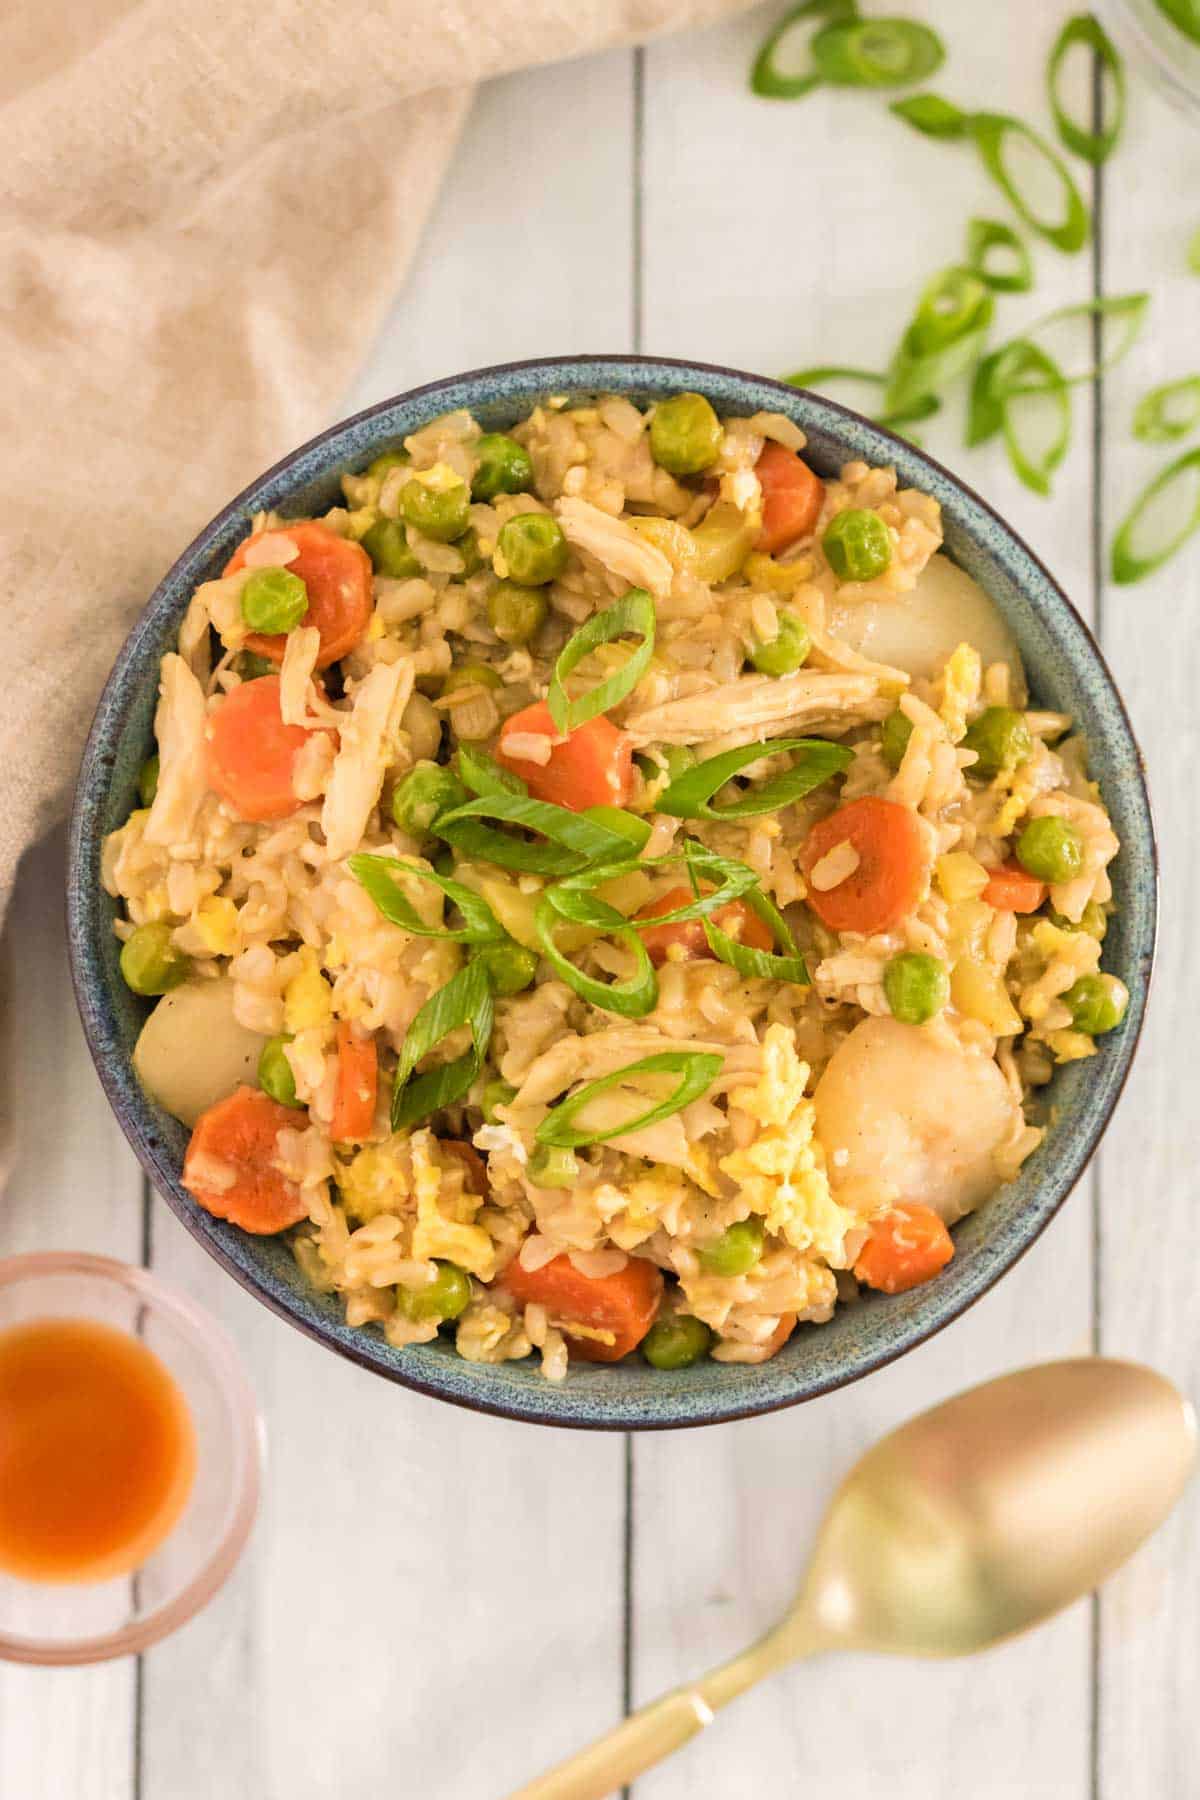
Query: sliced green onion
(634, 612)
(1185, 14)
(942, 338)
(1086, 29)
(466, 999)
(768, 78)
(987, 235)
(990, 132)
(697, 1069)
(1014, 370)
(985, 411)
(790, 966)
(482, 774)
(829, 374)
(877, 53)
(1159, 418)
(1129, 564)
(574, 839)
(1036, 419)
(817, 761)
(635, 830)
(1193, 253)
(378, 876)
(632, 999)
(933, 116)
(573, 897)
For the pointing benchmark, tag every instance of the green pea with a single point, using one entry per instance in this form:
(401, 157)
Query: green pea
(386, 543)
(504, 467)
(425, 792)
(1000, 739)
(916, 986)
(445, 1297)
(1051, 848)
(516, 613)
(510, 966)
(736, 1251)
(148, 780)
(274, 600)
(150, 962)
(1098, 1003)
(897, 729)
(275, 1075)
(685, 435)
(496, 1093)
(468, 548)
(1093, 920)
(439, 513)
(676, 1341)
(857, 546)
(626, 825)
(386, 461)
(532, 548)
(252, 667)
(550, 1166)
(470, 674)
(786, 651)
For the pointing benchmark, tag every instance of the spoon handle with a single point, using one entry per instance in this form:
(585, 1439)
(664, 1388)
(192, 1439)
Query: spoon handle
(656, 1730)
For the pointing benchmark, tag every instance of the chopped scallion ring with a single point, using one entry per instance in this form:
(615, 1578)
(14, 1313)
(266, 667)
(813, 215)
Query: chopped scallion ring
(466, 999)
(1087, 30)
(690, 794)
(378, 875)
(574, 896)
(575, 840)
(993, 133)
(1168, 412)
(942, 338)
(877, 53)
(697, 1069)
(1128, 562)
(986, 236)
(634, 612)
(769, 77)
(830, 374)
(481, 774)
(633, 998)
(1036, 419)
(933, 116)
(1125, 312)
(788, 966)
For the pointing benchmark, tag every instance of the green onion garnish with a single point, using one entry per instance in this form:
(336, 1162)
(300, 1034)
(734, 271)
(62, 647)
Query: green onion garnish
(1168, 412)
(768, 78)
(790, 966)
(466, 999)
(1086, 29)
(1126, 312)
(482, 774)
(942, 338)
(1193, 253)
(632, 999)
(690, 794)
(634, 612)
(575, 840)
(1036, 419)
(933, 116)
(573, 897)
(378, 875)
(697, 1069)
(877, 53)
(1185, 14)
(984, 236)
(1158, 498)
(827, 374)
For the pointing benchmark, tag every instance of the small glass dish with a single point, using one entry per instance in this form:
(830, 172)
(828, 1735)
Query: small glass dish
(1144, 32)
(54, 1623)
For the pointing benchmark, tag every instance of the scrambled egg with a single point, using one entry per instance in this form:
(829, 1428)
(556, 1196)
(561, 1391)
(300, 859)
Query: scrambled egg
(307, 1001)
(402, 1177)
(218, 927)
(962, 679)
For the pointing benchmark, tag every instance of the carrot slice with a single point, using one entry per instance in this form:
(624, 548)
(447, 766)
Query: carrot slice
(1013, 889)
(250, 752)
(623, 1306)
(906, 1247)
(592, 766)
(886, 882)
(792, 497)
(356, 1086)
(685, 937)
(229, 1166)
(337, 574)
(473, 1163)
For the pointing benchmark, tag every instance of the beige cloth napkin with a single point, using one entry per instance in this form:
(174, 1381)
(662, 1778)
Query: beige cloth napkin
(205, 211)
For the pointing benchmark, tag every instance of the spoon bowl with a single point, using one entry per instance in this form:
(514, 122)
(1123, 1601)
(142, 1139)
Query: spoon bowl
(973, 1522)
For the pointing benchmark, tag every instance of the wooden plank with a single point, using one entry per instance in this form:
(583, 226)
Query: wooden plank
(73, 1185)
(1148, 1740)
(432, 1600)
(776, 237)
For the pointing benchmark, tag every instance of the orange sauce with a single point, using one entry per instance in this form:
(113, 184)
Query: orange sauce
(97, 1451)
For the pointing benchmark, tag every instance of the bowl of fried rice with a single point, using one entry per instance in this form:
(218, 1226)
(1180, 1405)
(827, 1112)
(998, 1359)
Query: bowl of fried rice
(613, 892)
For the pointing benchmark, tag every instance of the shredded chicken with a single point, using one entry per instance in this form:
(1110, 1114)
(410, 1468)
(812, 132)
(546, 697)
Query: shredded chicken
(368, 744)
(757, 706)
(295, 675)
(179, 727)
(616, 544)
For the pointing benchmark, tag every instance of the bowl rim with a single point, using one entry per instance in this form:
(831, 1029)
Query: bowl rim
(86, 974)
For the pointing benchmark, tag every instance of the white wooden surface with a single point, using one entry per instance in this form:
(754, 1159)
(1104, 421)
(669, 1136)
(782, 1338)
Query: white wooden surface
(435, 1604)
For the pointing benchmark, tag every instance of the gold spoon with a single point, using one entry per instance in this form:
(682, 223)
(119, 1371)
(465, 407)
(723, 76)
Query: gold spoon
(966, 1526)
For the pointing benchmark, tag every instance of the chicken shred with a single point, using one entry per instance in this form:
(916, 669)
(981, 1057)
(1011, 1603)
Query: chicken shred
(179, 726)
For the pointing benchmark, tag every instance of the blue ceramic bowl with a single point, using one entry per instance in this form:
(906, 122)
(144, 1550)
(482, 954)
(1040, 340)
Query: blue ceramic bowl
(1066, 671)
